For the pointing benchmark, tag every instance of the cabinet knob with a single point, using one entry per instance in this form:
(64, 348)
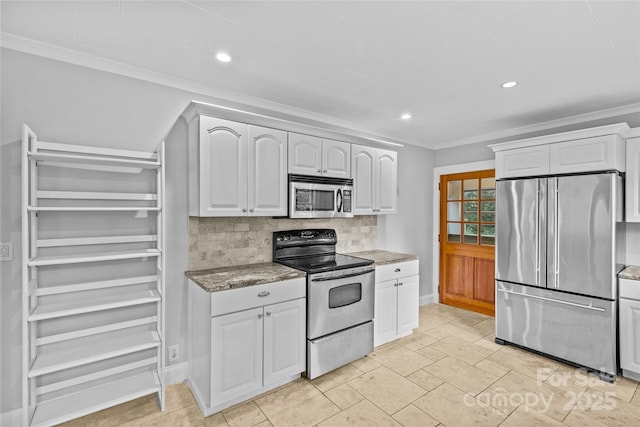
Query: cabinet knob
(319, 171)
(252, 210)
(395, 284)
(244, 209)
(324, 171)
(264, 294)
(398, 270)
(268, 313)
(400, 284)
(260, 316)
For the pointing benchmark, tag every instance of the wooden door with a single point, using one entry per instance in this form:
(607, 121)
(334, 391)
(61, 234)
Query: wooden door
(305, 154)
(467, 240)
(223, 167)
(285, 341)
(267, 190)
(336, 159)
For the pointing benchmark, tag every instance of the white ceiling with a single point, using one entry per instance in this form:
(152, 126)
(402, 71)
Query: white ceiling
(364, 63)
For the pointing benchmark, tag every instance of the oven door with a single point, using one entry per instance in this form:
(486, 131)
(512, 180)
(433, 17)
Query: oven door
(309, 200)
(338, 301)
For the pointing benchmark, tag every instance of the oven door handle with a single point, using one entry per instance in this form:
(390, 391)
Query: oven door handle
(324, 279)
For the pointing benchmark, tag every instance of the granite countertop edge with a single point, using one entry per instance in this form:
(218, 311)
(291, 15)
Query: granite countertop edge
(632, 272)
(242, 276)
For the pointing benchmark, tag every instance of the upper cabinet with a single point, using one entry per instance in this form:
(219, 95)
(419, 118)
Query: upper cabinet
(375, 180)
(236, 169)
(310, 155)
(587, 150)
(632, 184)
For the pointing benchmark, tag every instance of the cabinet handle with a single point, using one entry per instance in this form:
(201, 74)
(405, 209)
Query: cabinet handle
(260, 316)
(252, 210)
(268, 313)
(319, 170)
(398, 270)
(264, 294)
(244, 209)
(395, 284)
(400, 284)
(324, 171)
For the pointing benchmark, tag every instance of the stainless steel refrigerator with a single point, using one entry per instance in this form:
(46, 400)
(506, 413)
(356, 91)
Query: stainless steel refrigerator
(560, 245)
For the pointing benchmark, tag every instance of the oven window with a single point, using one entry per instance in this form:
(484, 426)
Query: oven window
(345, 295)
(323, 200)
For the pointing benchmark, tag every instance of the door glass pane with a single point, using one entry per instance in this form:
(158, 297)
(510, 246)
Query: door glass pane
(488, 186)
(488, 235)
(453, 211)
(488, 217)
(470, 189)
(454, 190)
(488, 207)
(453, 232)
(471, 233)
(471, 211)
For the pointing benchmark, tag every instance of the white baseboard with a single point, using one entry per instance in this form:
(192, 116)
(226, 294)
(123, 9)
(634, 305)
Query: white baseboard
(177, 373)
(11, 418)
(428, 299)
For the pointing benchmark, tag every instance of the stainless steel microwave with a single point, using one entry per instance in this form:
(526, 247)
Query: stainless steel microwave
(319, 197)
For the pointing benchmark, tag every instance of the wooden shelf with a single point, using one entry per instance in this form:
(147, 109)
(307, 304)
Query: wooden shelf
(94, 195)
(88, 286)
(105, 256)
(100, 350)
(80, 241)
(91, 208)
(81, 306)
(62, 159)
(84, 402)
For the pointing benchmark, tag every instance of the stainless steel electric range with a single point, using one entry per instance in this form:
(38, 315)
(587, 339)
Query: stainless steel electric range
(340, 297)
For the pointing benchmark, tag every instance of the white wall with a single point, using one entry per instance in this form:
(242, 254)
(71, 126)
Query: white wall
(411, 229)
(77, 105)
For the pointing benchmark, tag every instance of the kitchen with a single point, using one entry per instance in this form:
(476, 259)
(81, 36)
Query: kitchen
(127, 110)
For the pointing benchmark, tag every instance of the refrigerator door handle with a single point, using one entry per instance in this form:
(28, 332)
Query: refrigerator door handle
(537, 233)
(573, 304)
(556, 237)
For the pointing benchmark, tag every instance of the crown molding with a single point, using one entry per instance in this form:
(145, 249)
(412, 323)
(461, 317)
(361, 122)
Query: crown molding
(224, 101)
(543, 126)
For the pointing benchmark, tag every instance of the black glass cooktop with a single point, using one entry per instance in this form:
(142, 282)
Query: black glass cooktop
(327, 262)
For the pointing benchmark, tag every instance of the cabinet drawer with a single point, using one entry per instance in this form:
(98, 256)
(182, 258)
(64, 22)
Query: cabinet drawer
(629, 289)
(396, 270)
(233, 300)
(588, 154)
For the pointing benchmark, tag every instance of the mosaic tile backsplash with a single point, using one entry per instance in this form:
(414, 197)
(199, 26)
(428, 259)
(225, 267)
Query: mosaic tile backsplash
(222, 242)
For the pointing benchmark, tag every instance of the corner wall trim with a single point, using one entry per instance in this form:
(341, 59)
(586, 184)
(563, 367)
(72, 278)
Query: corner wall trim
(174, 374)
(428, 299)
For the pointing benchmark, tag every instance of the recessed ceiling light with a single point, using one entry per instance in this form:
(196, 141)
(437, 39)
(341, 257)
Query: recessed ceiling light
(223, 57)
(405, 116)
(507, 85)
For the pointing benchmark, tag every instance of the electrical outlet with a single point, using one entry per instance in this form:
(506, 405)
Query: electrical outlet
(6, 251)
(174, 352)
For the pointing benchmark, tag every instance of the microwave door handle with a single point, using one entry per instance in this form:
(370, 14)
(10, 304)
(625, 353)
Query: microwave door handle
(339, 200)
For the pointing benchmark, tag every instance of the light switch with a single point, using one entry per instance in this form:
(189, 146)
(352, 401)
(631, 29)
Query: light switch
(6, 251)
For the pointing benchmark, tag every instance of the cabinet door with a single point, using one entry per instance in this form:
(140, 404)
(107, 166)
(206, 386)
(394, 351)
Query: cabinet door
(632, 183)
(386, 312)
(223, 167)
(587, 155)
(387, 181)
(408, 304)
(528, 161)
(630, 335)
(236, 355)
(305, 154)
(363, 162)
(267, 189)
(284, 340)
(336, 159)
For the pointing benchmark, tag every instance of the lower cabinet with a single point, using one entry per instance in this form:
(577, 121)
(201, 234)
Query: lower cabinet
(629, 327)
(247, 352)
(397, 301)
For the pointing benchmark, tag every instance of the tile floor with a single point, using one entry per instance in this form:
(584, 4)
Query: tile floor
(448, 373)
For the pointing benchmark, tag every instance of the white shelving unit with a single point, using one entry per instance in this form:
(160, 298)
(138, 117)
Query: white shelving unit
(93, 278)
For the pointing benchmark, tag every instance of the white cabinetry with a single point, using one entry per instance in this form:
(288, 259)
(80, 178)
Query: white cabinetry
(236, 169)
(629, 314)
(245, 341)
(632, 182)
(310, 155)
(397, 301)
(587, 150)
(92, 278)
(375, 180)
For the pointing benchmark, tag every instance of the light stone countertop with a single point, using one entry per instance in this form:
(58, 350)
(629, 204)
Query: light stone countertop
(241, 276)
(381, 257)
(632, 272)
